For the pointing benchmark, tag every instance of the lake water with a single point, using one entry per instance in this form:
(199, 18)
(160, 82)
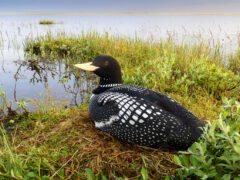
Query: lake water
(19, 79)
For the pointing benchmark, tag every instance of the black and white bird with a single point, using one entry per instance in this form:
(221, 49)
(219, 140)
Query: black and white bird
(138, 115)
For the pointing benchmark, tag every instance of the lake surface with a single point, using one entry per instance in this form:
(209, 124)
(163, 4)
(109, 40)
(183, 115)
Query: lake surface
(20, 80)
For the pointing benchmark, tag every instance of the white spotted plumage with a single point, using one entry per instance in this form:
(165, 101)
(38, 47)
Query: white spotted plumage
(133, 117)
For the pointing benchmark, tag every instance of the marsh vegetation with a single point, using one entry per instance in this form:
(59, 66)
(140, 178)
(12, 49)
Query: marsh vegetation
(55, 142)
(192, 74)
(42, 137)
(47, 22)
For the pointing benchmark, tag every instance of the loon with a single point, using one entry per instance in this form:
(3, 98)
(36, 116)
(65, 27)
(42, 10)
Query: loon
(137, 115)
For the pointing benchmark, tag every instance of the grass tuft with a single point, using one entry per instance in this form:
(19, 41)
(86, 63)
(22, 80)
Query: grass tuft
(47, 22)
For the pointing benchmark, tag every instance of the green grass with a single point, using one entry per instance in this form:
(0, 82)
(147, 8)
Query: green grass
(47, 22)
(192, 74)
(234, 62)
(63, 143)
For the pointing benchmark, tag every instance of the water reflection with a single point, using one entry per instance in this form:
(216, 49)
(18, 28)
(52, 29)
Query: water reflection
(70, 85)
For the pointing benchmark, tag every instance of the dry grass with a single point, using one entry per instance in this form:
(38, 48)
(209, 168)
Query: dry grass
(90, 148)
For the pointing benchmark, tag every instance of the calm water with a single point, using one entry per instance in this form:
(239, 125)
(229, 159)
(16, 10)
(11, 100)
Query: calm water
(20, 79)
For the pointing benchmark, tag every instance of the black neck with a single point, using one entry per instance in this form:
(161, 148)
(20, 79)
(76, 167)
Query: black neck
(106, 84)
(108, 81)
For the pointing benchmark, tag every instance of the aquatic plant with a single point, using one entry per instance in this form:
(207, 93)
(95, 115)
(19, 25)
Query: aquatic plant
(6, 106)
(3, 101)
(22, 105)
(217, 153)
(47, 22)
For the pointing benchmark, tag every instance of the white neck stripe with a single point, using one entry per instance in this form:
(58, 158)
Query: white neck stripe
(110, 85)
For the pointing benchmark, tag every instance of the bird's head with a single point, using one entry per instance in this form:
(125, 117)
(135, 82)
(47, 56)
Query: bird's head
(106, 67)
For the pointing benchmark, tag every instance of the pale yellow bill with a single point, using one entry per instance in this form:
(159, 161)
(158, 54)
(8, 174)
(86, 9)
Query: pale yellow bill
(86, 66)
